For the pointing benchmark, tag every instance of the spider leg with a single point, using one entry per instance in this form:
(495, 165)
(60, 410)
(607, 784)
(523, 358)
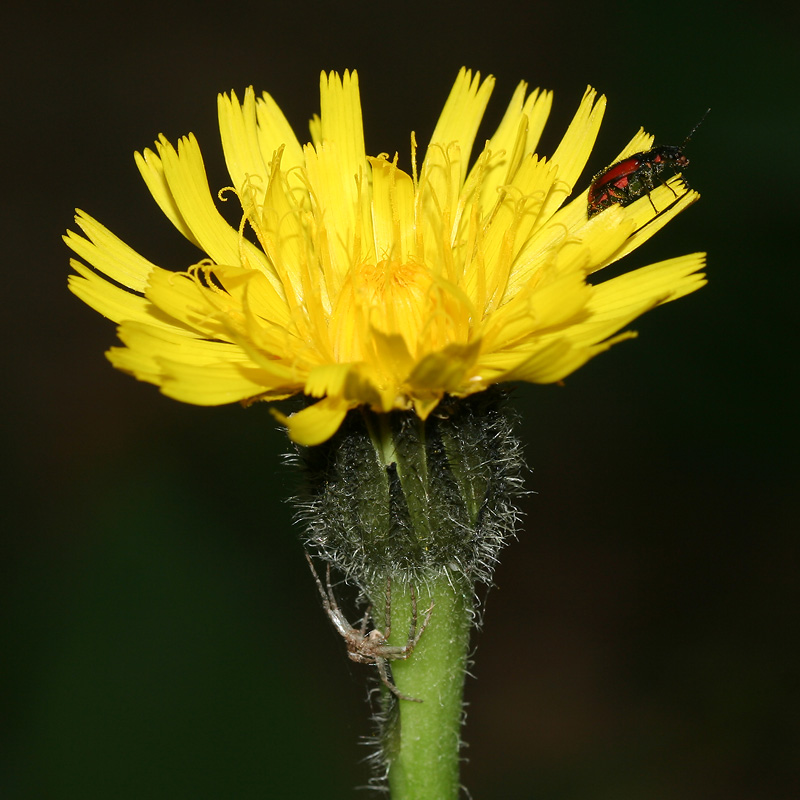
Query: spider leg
(325, 599)
(329, 602)
(388, 619)
(365, 621)
(380, 663)
(412, 629)
(331, 595)
(415, 638)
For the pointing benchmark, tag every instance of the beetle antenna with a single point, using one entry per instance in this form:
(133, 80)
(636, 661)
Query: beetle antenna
(691, 132)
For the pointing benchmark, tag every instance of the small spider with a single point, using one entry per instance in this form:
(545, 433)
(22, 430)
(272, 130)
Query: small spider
(372, 647)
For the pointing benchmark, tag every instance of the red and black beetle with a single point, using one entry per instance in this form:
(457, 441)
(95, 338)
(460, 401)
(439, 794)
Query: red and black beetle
(636, 175)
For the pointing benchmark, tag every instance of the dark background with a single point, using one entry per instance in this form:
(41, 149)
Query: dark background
(161, 635)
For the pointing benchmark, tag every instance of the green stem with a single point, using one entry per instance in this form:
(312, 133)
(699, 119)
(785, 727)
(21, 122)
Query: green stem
(406, 507)
(422, 741)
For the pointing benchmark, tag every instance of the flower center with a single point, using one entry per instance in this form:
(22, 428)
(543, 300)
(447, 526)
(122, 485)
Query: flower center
(390, 296)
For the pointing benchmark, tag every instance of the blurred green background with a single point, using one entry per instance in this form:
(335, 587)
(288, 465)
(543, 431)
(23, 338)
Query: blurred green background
(161, 634)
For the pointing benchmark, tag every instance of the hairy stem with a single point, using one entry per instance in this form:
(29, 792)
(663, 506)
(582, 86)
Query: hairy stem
(421, 741)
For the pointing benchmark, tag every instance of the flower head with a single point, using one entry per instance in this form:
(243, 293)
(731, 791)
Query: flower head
(357, 282)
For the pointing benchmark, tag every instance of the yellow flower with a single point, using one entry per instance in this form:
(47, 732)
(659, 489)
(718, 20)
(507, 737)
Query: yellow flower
(356, 282)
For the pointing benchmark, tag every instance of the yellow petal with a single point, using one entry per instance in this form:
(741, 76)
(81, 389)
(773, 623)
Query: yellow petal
(315, 424)
(151, 168)
(340, 122)
(104, 297)
(515, 139)
(445, 166)
(211, 384)
(239, 133)
(457, 125)
(550, 364)
(392, 210)
(147, 347)
(274, 133)
(443, 371)
(653, 285)
(573, 152)
(185, 197)
(647, 221)
(108, 254)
